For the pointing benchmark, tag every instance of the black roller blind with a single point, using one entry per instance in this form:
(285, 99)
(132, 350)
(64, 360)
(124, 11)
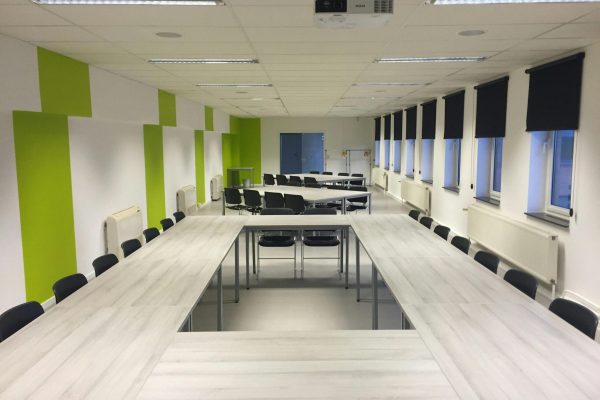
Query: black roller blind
(454, 115)
(555, 95)
(411, 123)
(429, 110)
(398, 125)
(377, 129)
(387, 130)
(490, 120)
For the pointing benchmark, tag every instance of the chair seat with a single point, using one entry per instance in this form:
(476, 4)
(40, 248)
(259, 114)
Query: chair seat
(321, 241)
(354, 207)
(236, 207)
(276, 241)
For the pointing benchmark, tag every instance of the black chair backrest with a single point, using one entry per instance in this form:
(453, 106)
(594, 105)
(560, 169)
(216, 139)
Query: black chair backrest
(577, 315)
(295, 202)
(14, 319)
(320, 211)
(294, 178)
(442, 231)
(281, 179)
(523, 281)
(426, 221)
(166, 224)
(358, 175)
(315, 172)
(131, 246)
(179, 215)
(488, 260)
(103, 263)
(274, 200)
(327, 173)
(414, 214)
(358, 199)
(252, 198)
(277, 211)
(294, 183)
(310, 179)
(268, 179)
(343, 174)
(359, 182)
(461, 243)
(151, 233)
(312, 185)
(68, 285)
(233, 196)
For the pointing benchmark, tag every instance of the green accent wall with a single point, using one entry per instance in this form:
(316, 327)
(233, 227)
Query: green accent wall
(167, 109)
(155, 174)
(230, 157)
(208, 119)
(200, 190)
(64, 84)
(45, 200)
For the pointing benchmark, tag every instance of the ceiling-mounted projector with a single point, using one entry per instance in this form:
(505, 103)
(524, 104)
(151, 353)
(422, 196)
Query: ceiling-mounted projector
(347, 14)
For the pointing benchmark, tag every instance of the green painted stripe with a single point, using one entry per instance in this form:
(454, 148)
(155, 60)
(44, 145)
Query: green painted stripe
(200, 191)
(64, 84)
(208, 119)
(45, 200)
(155, 175)
(167, 109)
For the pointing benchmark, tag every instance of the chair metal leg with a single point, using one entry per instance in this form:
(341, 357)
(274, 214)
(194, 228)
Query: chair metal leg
(295, 247)
(253, 252)
(301, 258)
(257, 261)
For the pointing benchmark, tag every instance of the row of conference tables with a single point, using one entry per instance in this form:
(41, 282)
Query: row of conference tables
(474, 335)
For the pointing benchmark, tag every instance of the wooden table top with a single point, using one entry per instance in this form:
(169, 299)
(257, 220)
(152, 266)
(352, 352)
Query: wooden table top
(321, 195)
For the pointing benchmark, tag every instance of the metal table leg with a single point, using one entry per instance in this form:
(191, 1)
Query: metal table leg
(375, 309)
(220, 299)
(247, 259)
(223, 197)
(253, 253)
(357, 269)
(344, 205)
(342, 251)
(369, 203)
(347, 253)
(237, 269)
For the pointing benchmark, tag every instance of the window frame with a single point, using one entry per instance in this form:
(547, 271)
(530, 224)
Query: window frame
(397, 166)
(410, 146)
(456, 154)
(550, 208)
(377, 161)
(427, 145)
(493, 193)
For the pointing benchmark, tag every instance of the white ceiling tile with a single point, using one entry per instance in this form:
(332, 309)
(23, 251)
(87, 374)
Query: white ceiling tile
(275, 16)
(148, 34)
(74, 48)
(49, 33)
(575, 31)
(29, 14)
(554, 44)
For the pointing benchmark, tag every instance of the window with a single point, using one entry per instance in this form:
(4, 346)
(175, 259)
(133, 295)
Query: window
(386, 150)
(377, 152)
(560, 172)
(397, 159)
(452, 164)
(496, 168)
(410, 158)
(427, 160)
(489, 169)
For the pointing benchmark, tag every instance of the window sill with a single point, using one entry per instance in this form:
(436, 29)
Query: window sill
(489, 200)
(397, 171)
(427, 181)
(454, 189)
(410, 177)
(564, 223)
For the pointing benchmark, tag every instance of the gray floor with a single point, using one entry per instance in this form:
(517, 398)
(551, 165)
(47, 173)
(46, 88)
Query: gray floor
(319, 301)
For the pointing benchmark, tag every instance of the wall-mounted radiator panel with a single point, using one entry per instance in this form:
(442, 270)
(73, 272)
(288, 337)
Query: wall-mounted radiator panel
(416, 194)
(379, 178)
(186, 200)
(532, 249)
(216, 187)
(122, 226)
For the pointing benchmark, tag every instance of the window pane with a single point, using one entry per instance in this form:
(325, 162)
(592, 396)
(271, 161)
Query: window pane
(410, 157)
(496, 179)
(562, 169)
(386, 149)
(397, 155)
(458, 150)
(377, 151)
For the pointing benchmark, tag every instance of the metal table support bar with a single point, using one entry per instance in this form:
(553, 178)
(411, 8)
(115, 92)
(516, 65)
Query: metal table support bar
(375, 306)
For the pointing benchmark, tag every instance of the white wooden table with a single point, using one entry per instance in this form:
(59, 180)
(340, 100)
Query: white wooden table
(320, 178)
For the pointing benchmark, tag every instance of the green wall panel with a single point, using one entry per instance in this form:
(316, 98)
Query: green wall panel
(167, 109)
(250, 146)
(155, 175)
(208, 119)
(234, 124)
(64, 84)
(45, 200)
(200, 190)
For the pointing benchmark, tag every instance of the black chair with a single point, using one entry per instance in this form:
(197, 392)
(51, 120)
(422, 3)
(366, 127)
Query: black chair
(309, 181)
(426, 222)
(68, 285)
(151, 233)
(335, 204)
(166, 224)
(281, 180)
(442, 231)
(268, 179)
(414, 214)
(233, 200)
(295, 181)
(276, 239)
(357, 182)
(577, 315)
(461, 243)
(320, 239)
(523, 281)
(357, 203)
(327, 173)
(274, 200)
(131, 246)
(253, 201)
(294, 202)
(488, 260)
(179, 215)
(313, 185)
(343, 174)
(14, 319)
(104, 263)
(315, 172)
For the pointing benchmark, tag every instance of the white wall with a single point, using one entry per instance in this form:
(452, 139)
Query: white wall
(180, 163)
(189, 114)
(213, 159)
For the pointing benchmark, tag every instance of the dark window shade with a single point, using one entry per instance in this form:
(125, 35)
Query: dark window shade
(490, 120)
(454, 115)
(555, 95)
(387, 130)
(411, 123)
(429, 110)
(377, 129)
(398, 125)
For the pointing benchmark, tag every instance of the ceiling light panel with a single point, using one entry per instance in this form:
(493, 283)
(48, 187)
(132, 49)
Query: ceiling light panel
(395, 60)
(203, 61)
(133, 2)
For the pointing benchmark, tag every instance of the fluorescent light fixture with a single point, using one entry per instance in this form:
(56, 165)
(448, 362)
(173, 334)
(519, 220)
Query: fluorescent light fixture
(234, 85)
(393, 60)
(475, 2)
(203, 61)
(388, 84)
(133, 2)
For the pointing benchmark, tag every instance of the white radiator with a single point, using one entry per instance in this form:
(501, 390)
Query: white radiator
(216, 187)
(379, 178)
(416, 194)
(527, 247)
(186, 200)
(122, 226)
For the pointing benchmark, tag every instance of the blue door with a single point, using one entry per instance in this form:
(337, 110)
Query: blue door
(301, 152)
